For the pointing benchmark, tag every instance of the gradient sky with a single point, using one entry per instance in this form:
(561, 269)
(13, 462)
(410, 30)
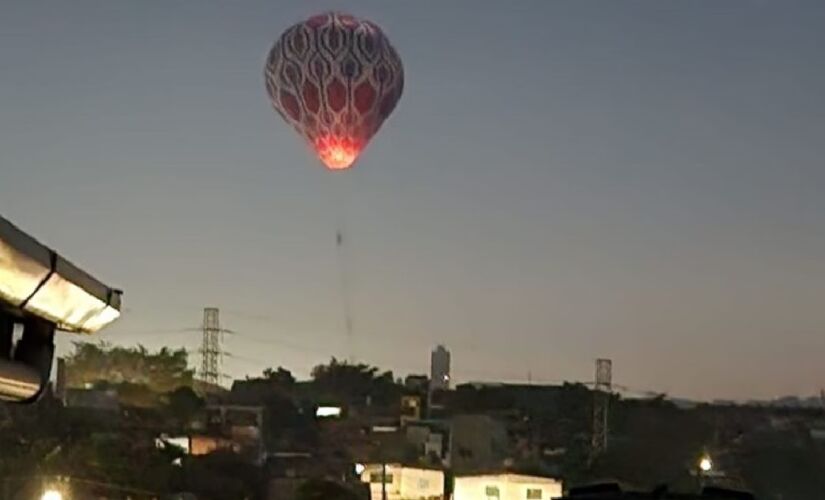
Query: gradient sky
(561, 181)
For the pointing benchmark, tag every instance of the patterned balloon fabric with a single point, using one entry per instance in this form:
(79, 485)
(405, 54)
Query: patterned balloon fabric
(335, 78)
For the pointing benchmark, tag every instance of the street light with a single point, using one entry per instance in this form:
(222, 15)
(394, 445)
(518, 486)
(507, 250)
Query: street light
(51, 495)
(705, 464)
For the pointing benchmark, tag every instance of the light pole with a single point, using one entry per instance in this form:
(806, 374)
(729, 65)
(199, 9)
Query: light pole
(705, 466)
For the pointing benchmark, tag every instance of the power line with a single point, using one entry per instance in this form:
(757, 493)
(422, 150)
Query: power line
(245, 358)
(152, 332)
(281, 343)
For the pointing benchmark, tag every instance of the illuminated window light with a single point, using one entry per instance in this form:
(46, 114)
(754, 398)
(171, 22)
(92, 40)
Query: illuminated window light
(328, 411)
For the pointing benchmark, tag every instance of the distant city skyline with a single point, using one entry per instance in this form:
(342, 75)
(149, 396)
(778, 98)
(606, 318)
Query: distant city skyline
(560, 182)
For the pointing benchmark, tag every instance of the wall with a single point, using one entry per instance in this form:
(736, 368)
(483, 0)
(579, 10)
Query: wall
(479, 442)
(408, 483)
(421, 484)
(510, 487)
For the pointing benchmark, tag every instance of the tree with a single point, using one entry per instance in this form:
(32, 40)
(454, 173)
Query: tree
(652, 442)
(324, 490)
(163, 371)
(355, 383)
(50, 440)
(220, 475)
(284, 423)
(183, 404)
(281, 377)
(782, 465)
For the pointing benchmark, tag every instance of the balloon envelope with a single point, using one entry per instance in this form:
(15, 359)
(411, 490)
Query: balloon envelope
(335, 78)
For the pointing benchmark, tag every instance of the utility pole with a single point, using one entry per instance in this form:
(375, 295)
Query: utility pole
(601, 397)
(383, 480)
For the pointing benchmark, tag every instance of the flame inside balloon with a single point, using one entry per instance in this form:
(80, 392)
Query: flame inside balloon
(334, 78)
(337, 153)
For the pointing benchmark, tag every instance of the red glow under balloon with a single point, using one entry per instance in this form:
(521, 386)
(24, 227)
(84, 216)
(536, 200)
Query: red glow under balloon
(337, 153)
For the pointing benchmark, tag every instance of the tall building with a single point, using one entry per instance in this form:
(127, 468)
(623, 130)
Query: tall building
(440, 369)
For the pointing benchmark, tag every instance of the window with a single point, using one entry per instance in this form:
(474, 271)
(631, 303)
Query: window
(491, 492)
(375, 477)
(534, 494)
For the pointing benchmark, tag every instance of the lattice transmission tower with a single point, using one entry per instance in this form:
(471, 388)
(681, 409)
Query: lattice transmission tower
(601, 398)
(211, 350)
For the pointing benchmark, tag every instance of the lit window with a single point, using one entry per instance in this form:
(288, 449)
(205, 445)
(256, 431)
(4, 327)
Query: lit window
(328, 411)
(534, 494)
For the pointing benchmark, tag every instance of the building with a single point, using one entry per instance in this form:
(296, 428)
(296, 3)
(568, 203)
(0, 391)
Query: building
(417, 383)
(479, 442)
(204, 445)
(506, 487)
(403, 483)
(612, 491)
(440, 369)
(430, 439)
(288, 488)
(232, 427)
(411, 407)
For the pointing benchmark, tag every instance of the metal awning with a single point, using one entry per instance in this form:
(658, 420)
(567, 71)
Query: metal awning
(35, 280)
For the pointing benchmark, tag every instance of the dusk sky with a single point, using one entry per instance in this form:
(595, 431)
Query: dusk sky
(560, 181)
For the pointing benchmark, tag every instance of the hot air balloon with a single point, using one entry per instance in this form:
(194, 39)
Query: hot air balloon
(335, 78)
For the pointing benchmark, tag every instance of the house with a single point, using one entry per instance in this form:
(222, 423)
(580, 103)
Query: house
(431, 440)
(479, 442)
(398, 482)
(411, 408)
(505, 487)
(238, 428)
